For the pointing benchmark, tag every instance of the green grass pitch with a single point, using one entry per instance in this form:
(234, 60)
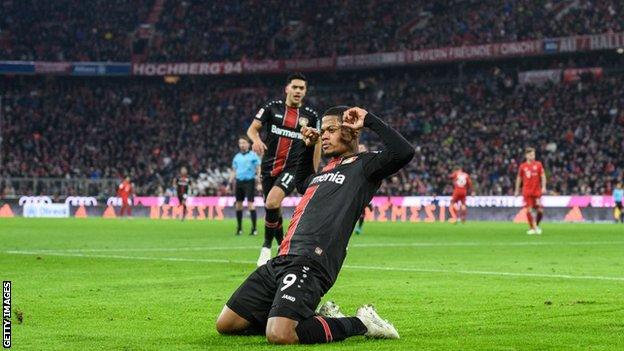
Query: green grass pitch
(96, 284)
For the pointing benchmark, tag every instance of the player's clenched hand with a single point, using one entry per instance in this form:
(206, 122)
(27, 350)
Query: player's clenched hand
(310, 135)
(259, 148)
(354, 118)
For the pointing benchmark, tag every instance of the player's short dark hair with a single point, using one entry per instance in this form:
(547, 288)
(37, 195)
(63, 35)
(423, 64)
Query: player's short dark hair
(242, 136)
(296, 75)
(336, 111)
(529, 149)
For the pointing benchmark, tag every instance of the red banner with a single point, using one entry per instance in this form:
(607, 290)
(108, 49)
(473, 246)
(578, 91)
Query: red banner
(448, 54)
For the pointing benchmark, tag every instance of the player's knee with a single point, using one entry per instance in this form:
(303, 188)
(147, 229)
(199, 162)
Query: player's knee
(281, 336)
(273, 203)
(224, 326)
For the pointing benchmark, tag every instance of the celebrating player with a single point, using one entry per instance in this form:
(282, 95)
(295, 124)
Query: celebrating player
(245, 169)
(182, 184)
(279, 298)
(125, 191)
(281, 121)
(461, 186)
(531, 175)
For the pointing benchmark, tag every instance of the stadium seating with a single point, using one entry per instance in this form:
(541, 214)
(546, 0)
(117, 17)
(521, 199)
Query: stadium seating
(195, 30)
(102, 128)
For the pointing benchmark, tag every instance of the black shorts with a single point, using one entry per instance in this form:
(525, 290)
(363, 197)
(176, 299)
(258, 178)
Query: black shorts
(245, 189)
(287, 286)
(618, 204)
(182, 199)
(284, 181)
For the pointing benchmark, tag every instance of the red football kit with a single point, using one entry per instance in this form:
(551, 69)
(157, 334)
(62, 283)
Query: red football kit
(124, 192)
(531, 175)
(461, 185)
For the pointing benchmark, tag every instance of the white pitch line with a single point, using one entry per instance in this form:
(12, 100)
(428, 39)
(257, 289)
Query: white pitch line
(372, 245)
(142, 258)
(147, 249)
(379, 268)
(512, 274)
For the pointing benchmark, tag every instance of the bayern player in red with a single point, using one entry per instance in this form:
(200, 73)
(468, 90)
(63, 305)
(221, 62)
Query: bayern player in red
(531, 175)
(124, 191)
(461, 186)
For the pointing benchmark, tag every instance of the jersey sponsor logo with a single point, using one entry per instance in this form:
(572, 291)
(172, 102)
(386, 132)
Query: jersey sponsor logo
(279, 116)
(461, 180)
(286, 133)
(289, 298)
(329, 177)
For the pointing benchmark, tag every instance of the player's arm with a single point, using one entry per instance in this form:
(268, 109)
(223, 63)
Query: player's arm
(543, 178)
(317, 156)
(306, 167)
(518, 181)
(253, 132)
(232, 173)
(397, 151)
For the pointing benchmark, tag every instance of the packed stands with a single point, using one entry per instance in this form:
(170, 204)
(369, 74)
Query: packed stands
(72, 128)
(194, 30)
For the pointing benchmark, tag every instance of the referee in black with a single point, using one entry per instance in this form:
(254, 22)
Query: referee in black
(245, 171)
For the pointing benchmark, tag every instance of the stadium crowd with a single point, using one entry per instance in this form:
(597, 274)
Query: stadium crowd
(98, 128)
(193, 30)
(69, 30)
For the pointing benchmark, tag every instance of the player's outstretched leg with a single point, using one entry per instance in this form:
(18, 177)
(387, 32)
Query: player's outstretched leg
(271, 222)
(230, 323)
(376, 327)
(279, 232)
(330, 309)
(254, 220)
(531, 230)
(314, 330)
(239, 217)
(464, 212)
(540, 214)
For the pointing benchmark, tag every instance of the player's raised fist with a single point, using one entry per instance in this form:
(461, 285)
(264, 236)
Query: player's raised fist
(259, 147)
(310, 135)
(354, 118)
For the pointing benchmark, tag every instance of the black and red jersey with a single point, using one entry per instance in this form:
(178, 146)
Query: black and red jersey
(283, 139)
(334, 198)
(182, 185)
